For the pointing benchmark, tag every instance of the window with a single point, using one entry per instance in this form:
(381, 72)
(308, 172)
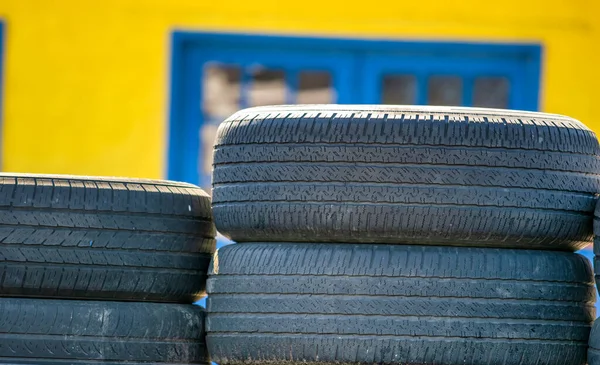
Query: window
(214, 75)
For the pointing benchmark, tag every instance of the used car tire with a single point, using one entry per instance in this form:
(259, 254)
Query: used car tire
(596, 245)
(103, 238)
(61, 332)
(594, 345)
(413, 175)
(397, 304)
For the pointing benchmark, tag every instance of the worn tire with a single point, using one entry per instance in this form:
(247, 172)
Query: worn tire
(594, 345)
(397, 304)
(60, 332)
(416, 175)
(597, 246)
(103, 238)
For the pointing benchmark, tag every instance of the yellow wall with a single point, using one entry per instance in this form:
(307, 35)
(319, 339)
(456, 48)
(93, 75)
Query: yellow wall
(86, 82)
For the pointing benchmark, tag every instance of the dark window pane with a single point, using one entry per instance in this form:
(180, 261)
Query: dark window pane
(267, 87)
(399, 89)
(315, 87)
(491, 92)
(444, 90)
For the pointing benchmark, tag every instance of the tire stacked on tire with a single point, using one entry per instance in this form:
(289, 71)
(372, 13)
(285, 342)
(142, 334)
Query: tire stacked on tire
(102, 270)
(402, 235)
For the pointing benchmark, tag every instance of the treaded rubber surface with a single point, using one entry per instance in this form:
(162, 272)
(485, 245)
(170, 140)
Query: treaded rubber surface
(594, 345)
(47, 331)
(413, 175)
(400, 304)
(596, 247)
(103, 238)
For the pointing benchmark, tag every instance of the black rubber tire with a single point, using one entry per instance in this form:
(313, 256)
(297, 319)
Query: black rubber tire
(416, 175)
(46, 331)
(597, 247)
(103, 238)
(594, 349)
(397, 304)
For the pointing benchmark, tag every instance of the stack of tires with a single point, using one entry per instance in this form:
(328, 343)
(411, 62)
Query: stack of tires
(402, 235)
(100, 270)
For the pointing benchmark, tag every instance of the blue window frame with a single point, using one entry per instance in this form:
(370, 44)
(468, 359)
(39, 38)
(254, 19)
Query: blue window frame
(359, 71)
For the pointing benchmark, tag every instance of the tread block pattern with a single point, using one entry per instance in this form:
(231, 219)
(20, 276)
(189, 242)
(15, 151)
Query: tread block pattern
(103, 238)
(404, 125)
(594, 345)
(356, 303)
(426, 175)
(406, 154)
(64, 331)
(596, 248)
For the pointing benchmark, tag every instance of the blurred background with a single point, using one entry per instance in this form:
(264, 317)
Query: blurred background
(138, 87)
